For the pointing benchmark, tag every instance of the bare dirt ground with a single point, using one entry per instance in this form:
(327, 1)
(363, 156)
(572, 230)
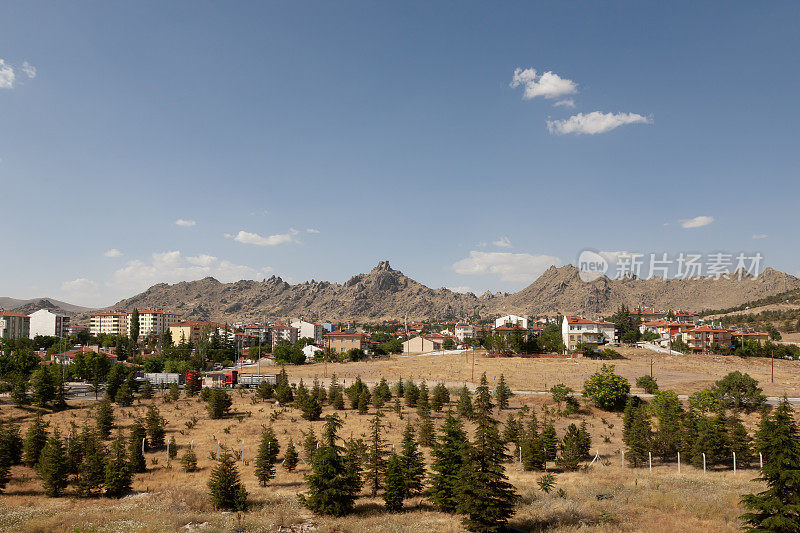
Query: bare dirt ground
(684, 374)
(168, 499)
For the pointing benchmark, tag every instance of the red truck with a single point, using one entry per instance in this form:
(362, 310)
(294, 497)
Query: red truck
(233, 378)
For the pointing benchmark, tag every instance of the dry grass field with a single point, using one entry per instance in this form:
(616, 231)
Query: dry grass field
(168, 499)
(684, 374)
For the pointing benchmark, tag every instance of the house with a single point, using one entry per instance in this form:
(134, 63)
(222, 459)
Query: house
(14, 325)
(508, 331)
(749, 334)
(645, 314)
(423, 344)
(511, 320)
(577, 331)
(110, 323)
(701, 338)
(342, 341)
(685, 317)
(192, 330)
(309, 350)
(309, 330)
(464, 331)
(46, 322)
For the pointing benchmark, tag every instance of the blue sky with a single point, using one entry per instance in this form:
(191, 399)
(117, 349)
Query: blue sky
(312, 139)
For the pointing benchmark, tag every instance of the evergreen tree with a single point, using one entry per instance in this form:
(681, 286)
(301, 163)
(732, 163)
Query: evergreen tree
(354, 392)
(283, 391)
(668, 437)
(639, 436)
(410, 393)
(712, 439)
(449, 455)
(363, 401)
(35, 440)
(427, 431)
(265, 391)
(118, 473)
(43, 389)
(146, 391)
(300, 394)
(531, 446)
(395, 491)
(172, 448)
(225, 488)
(19, 392)
(73, 449)
(60, 394)
(311, 407)
(464, 407)
(399, 388)
(11, 440)
(155, 427)
(502, 393)
(383, 390)
(628, 414)
(486, 496)
(53, 466)
(332, 483)
(412, 462)
(267, 456)
(116, 376)
(136, 437)
(549, 440)
(135, 326)
(309, 445)
(778, 507)
(5, 459)
(739, 441)
(124, 396)
(440, 397)
(335, 394)
(91, 472)
(423, 398)
(189, 460)
(571, 455)
(105, 419)
(512, 433)
(318, 392)
(584, 440)
(355, 450)
(290, 458)
(218, 403)
(375, 462)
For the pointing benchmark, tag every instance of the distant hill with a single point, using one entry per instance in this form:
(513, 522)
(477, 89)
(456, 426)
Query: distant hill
(27, 307)
(385, 293)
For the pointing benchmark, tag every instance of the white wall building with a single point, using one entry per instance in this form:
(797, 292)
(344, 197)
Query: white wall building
(577, 330)
(46, 322)
(309, 329)
(511, 320)
(463, 331)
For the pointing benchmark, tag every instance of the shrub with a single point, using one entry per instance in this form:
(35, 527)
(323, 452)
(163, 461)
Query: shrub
(606, 389)
(647, 383)
(739, 391)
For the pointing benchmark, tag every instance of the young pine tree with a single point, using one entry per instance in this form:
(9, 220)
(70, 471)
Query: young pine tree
(310, 445)
(395, 491)
(53, 466)
(283, 391)
(410, 393)
(487, 498)
(155, 424)
(311, 407)
(91, 472)
(11, 439)
(549, 440)
(267, 456)
(464, 406)
(290, 458)
(571, 455)
(502, 393)
(225, 488)
(136, 437)
(531, 448)
(375, 464)
(332, 483)
(639, 436)
(413, 463)
(440, 397)
(118, 473)
(189, 460)
(739, 441)
(105, 419)
(363, 401)
(712, 439)
(776, 508)
(124, 396)
(5, 461)
(449, 455)
(35, 440)
(423, 398)
(172, 448)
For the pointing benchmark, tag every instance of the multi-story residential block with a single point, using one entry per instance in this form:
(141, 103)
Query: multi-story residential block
(342, 341)
(464, 331)
(46, 322)
(110, 323)
(282, 332)
(14, 325)
(193, 330)
(750, 334)
(309, 330)
(702, 338)
(577, 330)
(511, 320)
(74, 329)
(259, 331)
(154, 322)
(508, 331)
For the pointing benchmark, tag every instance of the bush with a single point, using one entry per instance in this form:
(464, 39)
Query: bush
(647, 383)
(739, 391)
(606, 389)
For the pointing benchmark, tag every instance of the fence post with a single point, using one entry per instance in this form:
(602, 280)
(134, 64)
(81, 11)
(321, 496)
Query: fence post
(679, 462)
(760, 461)
(520, 454)
(191, 445)
(242, 451)
(650, 460)
(217, 450)
(734, 463)
(623, 458)
(143, 441)
(704, 463)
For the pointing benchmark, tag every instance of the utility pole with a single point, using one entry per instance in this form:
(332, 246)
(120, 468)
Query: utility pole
(651, 367)
(772, 364)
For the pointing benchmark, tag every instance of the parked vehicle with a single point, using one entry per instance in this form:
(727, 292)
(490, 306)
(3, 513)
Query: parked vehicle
(233, 378)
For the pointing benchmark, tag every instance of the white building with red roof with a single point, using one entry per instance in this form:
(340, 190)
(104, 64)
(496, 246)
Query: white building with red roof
(578, 330)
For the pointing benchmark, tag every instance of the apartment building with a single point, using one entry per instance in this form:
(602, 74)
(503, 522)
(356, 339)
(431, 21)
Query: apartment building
(154, 322)
(110, 323)
(14, 325)
(511, 320)
(577, 330)
(193, 330)
(750, 334)
(282, 332)
(309, 330)
(464, 331)
(702, 338)
(46, 322)
(343, 341)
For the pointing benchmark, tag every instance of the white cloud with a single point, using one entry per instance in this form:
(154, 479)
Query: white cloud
(696, 222)
(185, 223)
(7, 75)
(29, 69)
(172, 267)
(113, 253)
(312, 230)
(246, 237)
(548, 85)
(462, 289)
(567, 102)
(79, 286)
(502, 242)
(594, 122)
(760, 236)
(508, 266)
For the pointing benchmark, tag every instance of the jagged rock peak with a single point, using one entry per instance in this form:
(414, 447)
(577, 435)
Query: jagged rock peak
(383, 266)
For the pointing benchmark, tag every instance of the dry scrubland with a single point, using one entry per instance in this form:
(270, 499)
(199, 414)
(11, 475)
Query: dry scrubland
(167, 499)
(684, 374)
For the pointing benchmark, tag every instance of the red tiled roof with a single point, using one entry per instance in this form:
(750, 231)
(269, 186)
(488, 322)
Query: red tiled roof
(9, 313)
